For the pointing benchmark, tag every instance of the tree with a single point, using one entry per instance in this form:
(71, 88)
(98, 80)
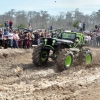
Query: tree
(75, 25)
(44, 20)
(21, 17)
(2, 25)
(21, 25)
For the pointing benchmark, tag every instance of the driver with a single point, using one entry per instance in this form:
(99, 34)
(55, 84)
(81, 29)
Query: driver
(77, 39)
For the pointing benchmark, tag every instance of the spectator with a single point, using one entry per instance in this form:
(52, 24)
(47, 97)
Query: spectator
(29, 27)
(88, 39)
(83, 26)
(94, 39)
(16, 38)
(98, 39)
(10, 24)
(5, 38)
(10, 38)
(41, 37)
(28, 40)
(32, 38)
(51, 27)
(45, 33)
(37, 37)
(6, 24)
(6, 31)
(96, 27)
(1, 29)
(80, 27)
(21, 41)
(99, 28)
(25, 39)
(1, 37)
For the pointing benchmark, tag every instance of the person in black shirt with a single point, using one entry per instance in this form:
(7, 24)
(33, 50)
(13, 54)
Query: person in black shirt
(37, 36)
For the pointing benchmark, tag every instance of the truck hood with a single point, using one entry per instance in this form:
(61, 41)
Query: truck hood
(67, 41)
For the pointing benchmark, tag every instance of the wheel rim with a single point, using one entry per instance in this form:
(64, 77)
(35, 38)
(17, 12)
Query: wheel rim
(44, 55)
(88, 59)
(68, 61)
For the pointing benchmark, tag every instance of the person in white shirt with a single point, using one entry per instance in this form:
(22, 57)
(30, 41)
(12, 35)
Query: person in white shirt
(87, 38)
(80, 26)
(29, 27)
(10, 38)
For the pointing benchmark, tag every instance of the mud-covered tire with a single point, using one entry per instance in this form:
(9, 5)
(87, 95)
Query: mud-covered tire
(37, 58)
(64, 59)
(85, 57)
(88, 57)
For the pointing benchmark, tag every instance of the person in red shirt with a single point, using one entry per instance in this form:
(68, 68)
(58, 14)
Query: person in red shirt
(10, 24)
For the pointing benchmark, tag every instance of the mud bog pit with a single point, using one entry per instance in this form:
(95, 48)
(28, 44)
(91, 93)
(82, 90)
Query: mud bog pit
(21, 80)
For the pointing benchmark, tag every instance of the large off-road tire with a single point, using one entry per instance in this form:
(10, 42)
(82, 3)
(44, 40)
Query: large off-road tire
(88, 57)
(40, 55)
(85, 57)
(64, 59)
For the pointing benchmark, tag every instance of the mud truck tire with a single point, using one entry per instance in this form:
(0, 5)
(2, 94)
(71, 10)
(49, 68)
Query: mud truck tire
(40, 56)
(64, 59)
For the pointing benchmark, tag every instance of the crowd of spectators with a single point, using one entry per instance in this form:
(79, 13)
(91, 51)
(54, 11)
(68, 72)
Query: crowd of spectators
(20, 38)
(93, 39)
(26, 38)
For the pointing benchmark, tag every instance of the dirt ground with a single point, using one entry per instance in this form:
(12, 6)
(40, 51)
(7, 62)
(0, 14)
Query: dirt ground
(21, 80)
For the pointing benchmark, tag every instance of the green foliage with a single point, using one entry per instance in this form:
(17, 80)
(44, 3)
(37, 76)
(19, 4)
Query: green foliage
(21, 25)
(76, 24)
(1, 25)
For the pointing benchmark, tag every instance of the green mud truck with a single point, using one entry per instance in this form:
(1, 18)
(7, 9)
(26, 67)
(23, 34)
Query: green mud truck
(67, 49)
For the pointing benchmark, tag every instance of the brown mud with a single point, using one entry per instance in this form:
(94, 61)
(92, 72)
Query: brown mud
(22, 80)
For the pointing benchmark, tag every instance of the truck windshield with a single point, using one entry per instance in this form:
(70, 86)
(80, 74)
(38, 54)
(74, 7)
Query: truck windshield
(66, 35)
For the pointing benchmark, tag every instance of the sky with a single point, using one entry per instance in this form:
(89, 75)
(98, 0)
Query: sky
(54, 7)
